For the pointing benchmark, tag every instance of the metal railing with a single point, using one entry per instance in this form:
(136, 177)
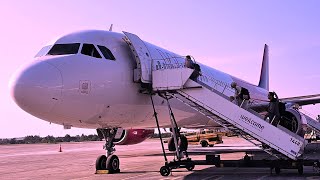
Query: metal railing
(204, 79)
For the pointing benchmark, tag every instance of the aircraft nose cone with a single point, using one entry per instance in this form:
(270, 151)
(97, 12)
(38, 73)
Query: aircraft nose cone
(37, 88)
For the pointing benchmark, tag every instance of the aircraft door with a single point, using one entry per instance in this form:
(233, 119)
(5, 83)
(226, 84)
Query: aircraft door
(142, 56)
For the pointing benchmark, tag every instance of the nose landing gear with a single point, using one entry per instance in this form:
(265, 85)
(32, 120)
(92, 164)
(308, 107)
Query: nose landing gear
(108, 163)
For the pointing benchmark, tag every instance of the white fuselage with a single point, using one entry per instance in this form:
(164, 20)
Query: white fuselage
(78, 90)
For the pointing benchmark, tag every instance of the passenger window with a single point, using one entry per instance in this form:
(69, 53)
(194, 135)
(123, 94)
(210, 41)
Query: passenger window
(106, 53)
(62, 49)
(90, 50)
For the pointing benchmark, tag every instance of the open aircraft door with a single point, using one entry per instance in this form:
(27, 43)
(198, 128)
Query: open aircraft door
(142, 56)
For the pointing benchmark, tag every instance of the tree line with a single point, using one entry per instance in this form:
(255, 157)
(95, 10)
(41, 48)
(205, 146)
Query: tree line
(67, 138)
(49, 139)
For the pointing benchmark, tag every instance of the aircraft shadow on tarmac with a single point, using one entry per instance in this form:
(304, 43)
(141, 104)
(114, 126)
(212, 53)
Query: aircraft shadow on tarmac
(248, 173)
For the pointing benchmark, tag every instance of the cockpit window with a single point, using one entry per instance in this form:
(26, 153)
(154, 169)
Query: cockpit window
(106, 53)
(43, 51)
(61, 49)
(90, 50)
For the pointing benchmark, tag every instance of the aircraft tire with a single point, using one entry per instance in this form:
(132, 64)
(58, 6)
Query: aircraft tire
(101, 163)
(171, 146)
(183, 144)
(113, 164)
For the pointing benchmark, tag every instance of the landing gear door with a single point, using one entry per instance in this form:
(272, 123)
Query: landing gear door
(142, 56)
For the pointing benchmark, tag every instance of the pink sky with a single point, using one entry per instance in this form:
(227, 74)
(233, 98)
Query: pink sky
(226, 35)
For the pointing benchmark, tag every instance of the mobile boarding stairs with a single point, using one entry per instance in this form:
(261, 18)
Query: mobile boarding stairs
(280, 142)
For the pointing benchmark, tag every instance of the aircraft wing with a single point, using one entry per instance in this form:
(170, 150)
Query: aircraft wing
(300, 100)
(303, 100)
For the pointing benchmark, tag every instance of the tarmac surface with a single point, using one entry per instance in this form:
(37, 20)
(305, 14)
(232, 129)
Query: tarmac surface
(141, 161)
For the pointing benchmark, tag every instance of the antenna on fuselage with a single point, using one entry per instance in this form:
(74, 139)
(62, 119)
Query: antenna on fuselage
(110, 29)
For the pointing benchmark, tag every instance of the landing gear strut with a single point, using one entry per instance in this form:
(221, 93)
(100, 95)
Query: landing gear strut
(109, 161)
(177, 143)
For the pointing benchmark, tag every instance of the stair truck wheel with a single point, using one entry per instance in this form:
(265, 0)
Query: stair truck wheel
(190, 166)
(164, 171)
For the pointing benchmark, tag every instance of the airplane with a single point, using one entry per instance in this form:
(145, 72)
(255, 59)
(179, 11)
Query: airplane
(95, 79)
